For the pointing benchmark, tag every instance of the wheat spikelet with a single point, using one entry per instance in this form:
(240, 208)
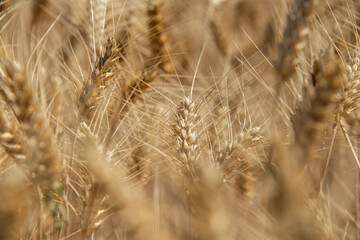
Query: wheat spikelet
(96, 14)
(92, 92)
(294, 37)
(139, 163)
(319, 107)
(42, 159)
(186, 137)
(139, 223)
(158, 39)
(233, 160)
(350, 99)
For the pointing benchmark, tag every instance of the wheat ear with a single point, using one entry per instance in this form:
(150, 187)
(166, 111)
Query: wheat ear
(42, 159)
(294, 37)
(319, 106)
(158, 39)
(350, 101)
(96, 14)
(139, 223)
(186, 138)
(233, 160)
(93, 90)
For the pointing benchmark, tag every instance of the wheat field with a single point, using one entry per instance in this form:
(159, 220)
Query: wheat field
(204, 119)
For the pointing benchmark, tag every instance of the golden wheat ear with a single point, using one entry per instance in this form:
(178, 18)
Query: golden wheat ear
(294, 37)
(159, 43)
(42, 160)
(140, 224)
(350, 100)
(93, 90)
(319, 105)
(235, 161)
(186, 139)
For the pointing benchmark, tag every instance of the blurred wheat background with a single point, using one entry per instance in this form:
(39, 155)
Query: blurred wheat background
(204, 119)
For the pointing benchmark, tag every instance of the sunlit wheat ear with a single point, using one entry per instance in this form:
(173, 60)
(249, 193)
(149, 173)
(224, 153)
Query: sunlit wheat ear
(159, 42)
(237, 159)
(350, 101)
(93, 90)
(140, 223)
(186, 139)
(319, 106)
(208, 208)
(42, 160)
(294, 37)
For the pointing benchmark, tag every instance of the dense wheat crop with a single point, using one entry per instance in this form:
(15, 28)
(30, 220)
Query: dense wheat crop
(192, 119)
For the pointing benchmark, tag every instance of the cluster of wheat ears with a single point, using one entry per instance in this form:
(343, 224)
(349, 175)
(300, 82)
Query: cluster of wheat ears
(192, 119)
